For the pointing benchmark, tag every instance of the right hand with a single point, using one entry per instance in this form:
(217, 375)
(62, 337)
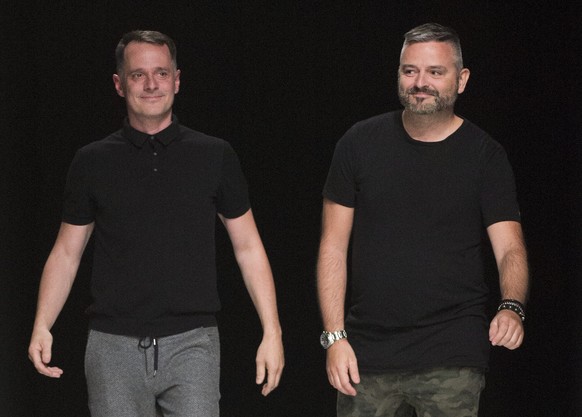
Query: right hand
(342, 367)
(39, 352)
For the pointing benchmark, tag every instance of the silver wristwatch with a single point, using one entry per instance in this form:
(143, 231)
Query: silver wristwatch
(329, 338)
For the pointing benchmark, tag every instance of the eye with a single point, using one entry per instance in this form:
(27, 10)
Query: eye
(163, 74)
(437, 71)
(136, 76)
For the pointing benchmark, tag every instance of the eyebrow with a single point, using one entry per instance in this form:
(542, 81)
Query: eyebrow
(430, 67)
(131, 71)
(439, 67)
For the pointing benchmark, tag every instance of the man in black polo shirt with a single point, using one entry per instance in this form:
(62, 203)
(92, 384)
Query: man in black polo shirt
(150, 193)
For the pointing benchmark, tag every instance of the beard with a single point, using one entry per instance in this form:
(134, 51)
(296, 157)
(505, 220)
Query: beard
(422, 106)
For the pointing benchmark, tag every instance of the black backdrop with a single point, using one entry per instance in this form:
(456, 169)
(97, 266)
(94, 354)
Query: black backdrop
(282, 81)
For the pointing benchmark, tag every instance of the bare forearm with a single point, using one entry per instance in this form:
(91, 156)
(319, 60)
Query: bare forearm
(513, 274)
(510, 254)
(256, 271)
(60, 271)
(259, 282)
(331, 287)
(332, 263)
(55, 285)
(506, 328)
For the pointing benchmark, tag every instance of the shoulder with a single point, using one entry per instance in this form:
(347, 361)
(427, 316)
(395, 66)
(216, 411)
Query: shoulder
(477, 134)
(474, 136)
(101, 147)
(193, 137)
(204, 148)
(382, 122)
(374, 128)
(477, 145)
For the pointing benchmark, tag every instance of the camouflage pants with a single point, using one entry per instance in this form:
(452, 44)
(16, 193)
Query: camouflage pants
(439, 392)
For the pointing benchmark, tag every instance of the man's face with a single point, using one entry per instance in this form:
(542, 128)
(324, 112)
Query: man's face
(428, 79)
(148, 82)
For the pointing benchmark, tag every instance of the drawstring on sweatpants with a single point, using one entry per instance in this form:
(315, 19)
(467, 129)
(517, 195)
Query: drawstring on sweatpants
(150, 341)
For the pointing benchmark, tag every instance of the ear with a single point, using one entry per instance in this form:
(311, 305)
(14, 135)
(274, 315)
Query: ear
(177, 82)
(118, 85)
(463, 79)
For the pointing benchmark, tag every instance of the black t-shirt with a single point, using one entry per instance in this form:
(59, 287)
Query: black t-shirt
(154, 201)
(418, 292)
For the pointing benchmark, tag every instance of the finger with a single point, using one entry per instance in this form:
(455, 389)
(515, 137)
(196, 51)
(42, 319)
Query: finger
(278, 373)
(344, 384)
(35, 355)
(514, 336)
(50, 371)
(510, 344)
(338, 373)
(273, 379)
(331, 377)
(269, 384)
(334, 379)
(515, 340)
(500, 336)
(53, 372)
(520, 340)
(493, 329)
(46, 356)
(268, 387)
(261, 372)
(347, 389)
(354, 373)
(336, 383)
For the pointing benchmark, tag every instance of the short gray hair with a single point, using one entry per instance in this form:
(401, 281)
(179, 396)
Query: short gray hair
(433, 32)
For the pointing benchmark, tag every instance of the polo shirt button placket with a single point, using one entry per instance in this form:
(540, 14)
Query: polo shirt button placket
(155, 153)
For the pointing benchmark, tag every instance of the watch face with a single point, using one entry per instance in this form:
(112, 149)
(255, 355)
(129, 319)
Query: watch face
(325, 341)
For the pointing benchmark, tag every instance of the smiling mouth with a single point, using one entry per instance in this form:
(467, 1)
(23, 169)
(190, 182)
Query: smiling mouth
(422, 95)
(422, 92)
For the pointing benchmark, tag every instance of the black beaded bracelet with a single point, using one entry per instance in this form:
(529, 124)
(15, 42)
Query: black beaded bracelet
(513, 305)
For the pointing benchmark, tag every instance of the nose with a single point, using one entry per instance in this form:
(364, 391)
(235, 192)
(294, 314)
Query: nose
(421, 80)
(150, 83)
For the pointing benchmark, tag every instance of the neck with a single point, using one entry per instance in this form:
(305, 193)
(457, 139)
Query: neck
(430, 127)
(152, 125)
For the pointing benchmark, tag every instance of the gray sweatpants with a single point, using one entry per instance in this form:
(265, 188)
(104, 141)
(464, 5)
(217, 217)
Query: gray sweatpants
(175, 375)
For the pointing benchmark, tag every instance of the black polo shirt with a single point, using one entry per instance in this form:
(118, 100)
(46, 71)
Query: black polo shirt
(154, 201)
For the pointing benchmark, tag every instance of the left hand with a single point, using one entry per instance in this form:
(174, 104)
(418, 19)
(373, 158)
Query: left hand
(506, 329)
(270, 362)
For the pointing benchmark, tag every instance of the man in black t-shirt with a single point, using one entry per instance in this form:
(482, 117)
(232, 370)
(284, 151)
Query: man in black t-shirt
(150, 194)
(412, 191)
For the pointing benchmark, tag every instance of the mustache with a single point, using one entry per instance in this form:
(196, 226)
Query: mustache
(424, 90)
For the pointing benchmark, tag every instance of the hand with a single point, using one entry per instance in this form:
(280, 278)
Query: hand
(39, 352)
(506, 329)
(342, 367)
(270, 362)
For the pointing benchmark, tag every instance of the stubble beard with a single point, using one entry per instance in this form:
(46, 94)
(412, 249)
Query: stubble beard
(422, 106)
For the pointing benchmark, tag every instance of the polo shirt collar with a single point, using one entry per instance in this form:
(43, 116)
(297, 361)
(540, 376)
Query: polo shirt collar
(165, 137)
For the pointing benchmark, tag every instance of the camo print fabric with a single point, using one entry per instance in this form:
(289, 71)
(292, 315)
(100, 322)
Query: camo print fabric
(440, 392)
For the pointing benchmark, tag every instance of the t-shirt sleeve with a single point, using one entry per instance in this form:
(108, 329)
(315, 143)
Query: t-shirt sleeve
(232, 198)
(340, 186)
(498, 193)
(78, 207)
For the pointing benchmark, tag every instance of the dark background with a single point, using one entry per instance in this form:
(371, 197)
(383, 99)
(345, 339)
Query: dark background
(282, 81)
